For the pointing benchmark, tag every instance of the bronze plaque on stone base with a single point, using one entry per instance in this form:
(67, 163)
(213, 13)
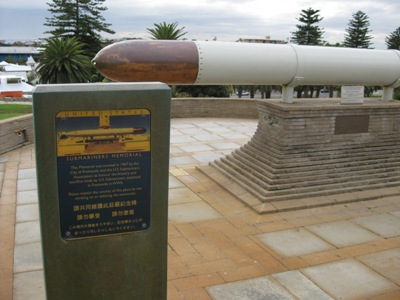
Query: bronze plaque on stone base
(351, 124)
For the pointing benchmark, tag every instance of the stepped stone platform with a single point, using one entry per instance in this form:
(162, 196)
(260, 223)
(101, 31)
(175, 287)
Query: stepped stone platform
(314, 153)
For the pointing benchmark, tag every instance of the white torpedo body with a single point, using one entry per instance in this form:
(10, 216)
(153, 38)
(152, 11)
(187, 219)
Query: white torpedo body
(288, 65)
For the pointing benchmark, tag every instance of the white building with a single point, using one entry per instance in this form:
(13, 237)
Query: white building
(21, 71)
(13, 86)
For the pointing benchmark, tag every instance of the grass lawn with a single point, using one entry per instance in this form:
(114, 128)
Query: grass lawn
(14, 110)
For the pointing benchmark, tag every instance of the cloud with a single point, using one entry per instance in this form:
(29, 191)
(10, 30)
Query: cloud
(228, 20)
(26, 24)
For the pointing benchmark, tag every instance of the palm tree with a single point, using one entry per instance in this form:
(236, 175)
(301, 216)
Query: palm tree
(164, 31)
(64, 61)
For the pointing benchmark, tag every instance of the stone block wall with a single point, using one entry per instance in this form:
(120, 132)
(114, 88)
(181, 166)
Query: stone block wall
(16, 132)
(213, 108)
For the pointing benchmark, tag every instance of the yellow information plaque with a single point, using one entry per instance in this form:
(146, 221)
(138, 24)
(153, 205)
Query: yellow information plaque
(103, 159)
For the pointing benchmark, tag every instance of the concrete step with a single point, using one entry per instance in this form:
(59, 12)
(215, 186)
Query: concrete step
(297, 142)
(256, 182)
(305, 149)
(281, 203)
(255, 187)
(329, 157)
(332, 169)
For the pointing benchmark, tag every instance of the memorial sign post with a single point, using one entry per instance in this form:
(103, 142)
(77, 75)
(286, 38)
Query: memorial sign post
(102, 163)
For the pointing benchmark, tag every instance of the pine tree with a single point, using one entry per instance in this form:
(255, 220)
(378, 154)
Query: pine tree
(309, 33)
(78, 18)
(358, 32)
(393, 40)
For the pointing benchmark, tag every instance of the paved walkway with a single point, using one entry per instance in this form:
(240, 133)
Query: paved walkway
(218, 247)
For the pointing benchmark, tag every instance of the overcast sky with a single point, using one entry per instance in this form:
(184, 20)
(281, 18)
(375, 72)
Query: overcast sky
(226, 20)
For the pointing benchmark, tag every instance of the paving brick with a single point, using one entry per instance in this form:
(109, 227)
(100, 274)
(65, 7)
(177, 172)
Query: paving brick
(181, 246)
(196, 294)
(212, 266)
(219, 239)
(384, 224)
(343, 233)
(9, 187)
(198, 281)
(7, 199)
(7, 215)
(294, 263)
(353, 251)
(247, 245)
(242, 231)
(29, 212)
(256, 288)
(223, 207)
(190, 259)
(11, 171)
(29, 285)
(208, 250)
(173, 292)
(28, 257)
(306, 220)
(173, 232)
(191, 212)
(270, 264)
(256, 218)
(237, 256)
(190, 232)
(301, 286)
(316, 201)
(237, 220)
(386, 263)
(203, 254)
(210, 197)
(274, 226)
(286, 205)
(27, 232)
(340, 278)
(214, 225)
(322, 257)
(294, 242)
(182, 195)
(178, 270)
(392, 295)
(292, 215)
(243, 273)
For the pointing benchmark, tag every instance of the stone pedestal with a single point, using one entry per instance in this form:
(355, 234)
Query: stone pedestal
(310, 149)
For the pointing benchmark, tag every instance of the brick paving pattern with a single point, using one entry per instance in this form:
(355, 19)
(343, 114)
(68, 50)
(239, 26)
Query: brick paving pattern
(218, 247)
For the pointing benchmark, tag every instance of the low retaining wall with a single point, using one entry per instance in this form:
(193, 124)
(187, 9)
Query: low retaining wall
(18, 131)
(213, 108)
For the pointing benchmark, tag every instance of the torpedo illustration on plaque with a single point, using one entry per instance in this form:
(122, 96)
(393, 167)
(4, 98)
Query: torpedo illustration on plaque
(103, 171)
